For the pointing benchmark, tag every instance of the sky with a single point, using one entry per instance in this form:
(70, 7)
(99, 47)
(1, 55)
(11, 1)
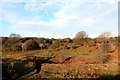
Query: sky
(58, 18)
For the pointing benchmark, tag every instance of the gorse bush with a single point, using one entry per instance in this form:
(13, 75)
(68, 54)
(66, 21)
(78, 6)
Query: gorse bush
(68, 40)
(47, 45)
(65, 46)
(39, 40)
(42, 46)
(103, 57)
(4, 39)
(106, 48)
(30, 45)
(16, 47)
(81, 39)
(10, 42)
(55, 45)
(115, 43)
(91, 43)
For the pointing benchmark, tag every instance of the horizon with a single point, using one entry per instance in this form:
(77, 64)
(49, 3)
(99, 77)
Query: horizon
(58, 19)
(112, 35)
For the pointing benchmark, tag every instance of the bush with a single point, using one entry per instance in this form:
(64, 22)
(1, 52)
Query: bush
(80, 42)
(103, 57)
(74, 46)
(106, 48)
(47, 41)
(68, 40)
(65, 46)
(16, 47)
(42, 46)
(91, 43)
(55, 45)
(10, 42)
(30, 45)
(39, 40)
(4, 39)
(48, 45)
(115, 44)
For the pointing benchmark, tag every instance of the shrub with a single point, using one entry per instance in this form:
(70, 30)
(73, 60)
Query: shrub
(10, 42)
(25, 39)
(74, 46)
(55, 45)
(4, 39)
(91, 43)
(30, 45)
(115, 43)
(103, 57)
(47, 41)
(80, 42)
(65, 46)
(42, 46)
(39, 40)
(48, 45)
(68, 40)
(16, 47)
(106, 48)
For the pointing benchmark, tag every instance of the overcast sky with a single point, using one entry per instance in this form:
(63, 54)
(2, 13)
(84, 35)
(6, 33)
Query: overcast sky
(58, 18)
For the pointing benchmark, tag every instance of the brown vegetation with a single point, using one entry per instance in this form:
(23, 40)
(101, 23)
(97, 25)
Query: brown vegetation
(81, 57)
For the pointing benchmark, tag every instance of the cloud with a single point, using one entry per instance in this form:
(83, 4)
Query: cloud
(70, 16)
(18, 0)
(88, 21)
(9, 16)
(114, 34)
(42, 6)
(46, 35)
(8, 5)
(108, 1)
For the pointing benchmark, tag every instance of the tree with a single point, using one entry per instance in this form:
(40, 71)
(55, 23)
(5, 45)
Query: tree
(81, 35)
(15, 35)
(80, 38)
(105, 35)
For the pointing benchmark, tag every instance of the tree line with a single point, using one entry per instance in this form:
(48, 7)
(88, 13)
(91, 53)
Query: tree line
(16, 43)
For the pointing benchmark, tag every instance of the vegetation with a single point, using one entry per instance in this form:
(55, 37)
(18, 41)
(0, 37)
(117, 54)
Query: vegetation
(30, 45)
(80, 38)
(80, 57)
(55, 44)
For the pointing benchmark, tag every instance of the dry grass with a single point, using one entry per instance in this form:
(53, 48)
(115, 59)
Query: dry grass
(83, 63)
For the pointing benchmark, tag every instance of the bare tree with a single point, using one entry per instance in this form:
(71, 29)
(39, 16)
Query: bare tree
(15, 35)
(105, 35)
